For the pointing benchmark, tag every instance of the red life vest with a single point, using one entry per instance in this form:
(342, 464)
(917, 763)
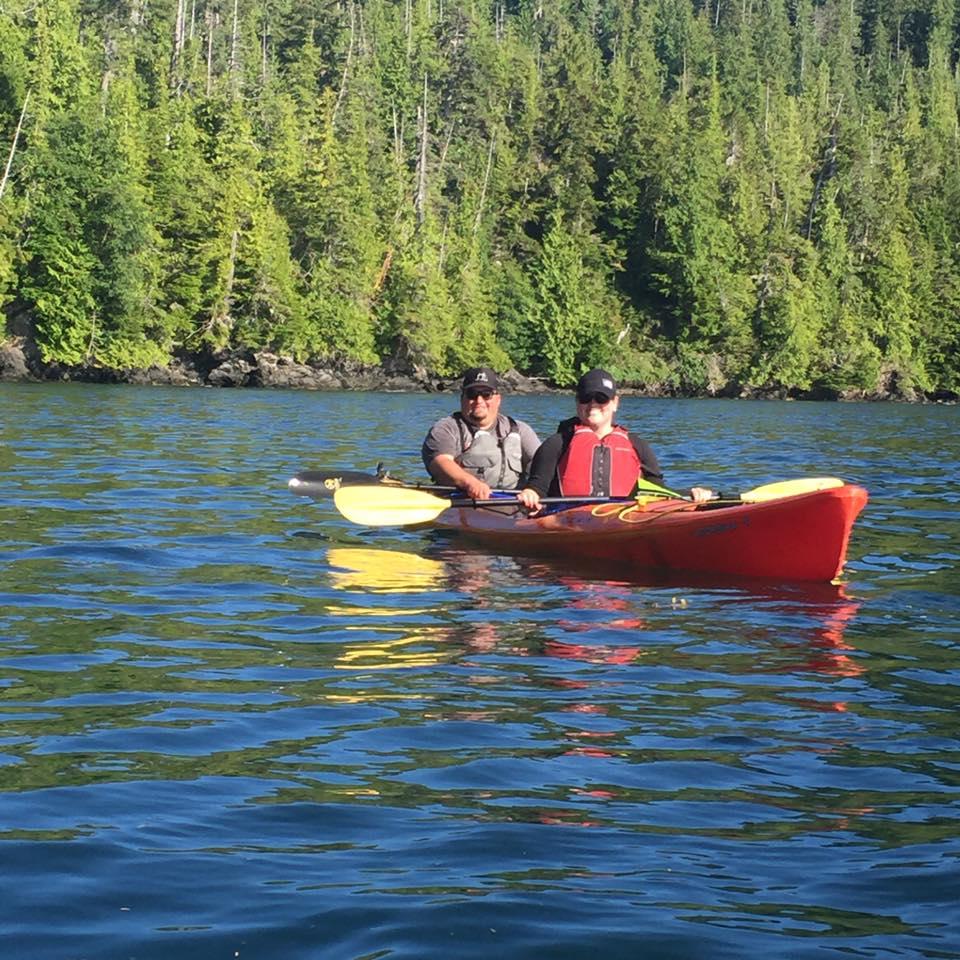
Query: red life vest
(590, 467)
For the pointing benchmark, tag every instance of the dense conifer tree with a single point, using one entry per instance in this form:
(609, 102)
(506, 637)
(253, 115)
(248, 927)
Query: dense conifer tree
(708, 195)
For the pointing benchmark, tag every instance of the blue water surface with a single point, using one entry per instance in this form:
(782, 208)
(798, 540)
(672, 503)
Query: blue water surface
(234, 725)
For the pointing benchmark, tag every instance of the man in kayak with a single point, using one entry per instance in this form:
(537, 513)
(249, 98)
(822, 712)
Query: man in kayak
(590, 455)
(477, 448)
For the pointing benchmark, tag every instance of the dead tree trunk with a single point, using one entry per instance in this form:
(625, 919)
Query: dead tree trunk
(211, 24)
(420, 201)
(179, 34)
(483, 190)
(234, 68)
(346, 67)
(13, 146)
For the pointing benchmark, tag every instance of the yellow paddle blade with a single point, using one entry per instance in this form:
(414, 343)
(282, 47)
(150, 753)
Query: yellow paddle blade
(789, 488)
(385, 506)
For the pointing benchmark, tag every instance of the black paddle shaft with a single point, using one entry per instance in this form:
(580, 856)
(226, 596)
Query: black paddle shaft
(322, 483)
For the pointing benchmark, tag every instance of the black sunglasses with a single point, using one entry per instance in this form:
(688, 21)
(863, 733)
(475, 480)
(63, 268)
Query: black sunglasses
(600, 398)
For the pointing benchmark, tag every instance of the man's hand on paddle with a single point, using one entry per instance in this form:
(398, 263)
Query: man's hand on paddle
(445, 469)
(474, 488)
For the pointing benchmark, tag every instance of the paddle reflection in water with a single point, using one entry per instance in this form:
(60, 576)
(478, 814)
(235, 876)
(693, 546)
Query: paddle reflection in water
(470, 592)
(383, 571)
(619, 602)
(368, 571)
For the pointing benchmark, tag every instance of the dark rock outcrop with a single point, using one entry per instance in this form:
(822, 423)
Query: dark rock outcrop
(515, 382)
(178, 374)
(275, 371)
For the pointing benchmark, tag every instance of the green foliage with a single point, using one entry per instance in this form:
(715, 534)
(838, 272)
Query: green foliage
(697, 371)
(789, 319)
(14, 67)
(699, 254)
(568, 316)
(336, 326)
(181, 186)
(516, 301)
(708, 196)
(59, 284)
(637, 357)
(423, 321)
(475, 339)
(60, 290)
(123, 237)
(853, 361)
(10, 213)
(265, 299)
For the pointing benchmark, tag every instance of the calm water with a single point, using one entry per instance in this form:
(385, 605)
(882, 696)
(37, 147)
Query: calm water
(231, 725)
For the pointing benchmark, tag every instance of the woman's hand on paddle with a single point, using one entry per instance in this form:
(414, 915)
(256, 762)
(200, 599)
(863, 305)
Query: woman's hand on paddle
(530, 499)
(701, 494)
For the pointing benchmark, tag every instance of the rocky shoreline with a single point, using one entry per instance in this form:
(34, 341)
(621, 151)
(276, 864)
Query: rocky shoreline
(20, 362)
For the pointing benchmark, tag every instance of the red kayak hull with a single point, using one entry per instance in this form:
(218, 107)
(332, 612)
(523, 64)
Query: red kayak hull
(802, 537)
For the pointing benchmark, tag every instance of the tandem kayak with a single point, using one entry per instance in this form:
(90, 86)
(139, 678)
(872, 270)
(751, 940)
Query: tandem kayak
(801, 537)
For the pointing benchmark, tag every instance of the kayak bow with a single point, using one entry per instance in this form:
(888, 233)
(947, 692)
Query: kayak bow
(802, 537)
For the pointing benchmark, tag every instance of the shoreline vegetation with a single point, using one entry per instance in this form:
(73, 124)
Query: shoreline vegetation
(708, 199)
(267, 370)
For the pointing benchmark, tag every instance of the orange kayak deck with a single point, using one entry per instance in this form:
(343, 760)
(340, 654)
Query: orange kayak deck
(801, 537)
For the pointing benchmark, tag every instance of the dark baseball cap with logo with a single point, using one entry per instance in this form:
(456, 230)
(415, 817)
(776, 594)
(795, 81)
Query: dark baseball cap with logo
(480, 380)
(597, 381)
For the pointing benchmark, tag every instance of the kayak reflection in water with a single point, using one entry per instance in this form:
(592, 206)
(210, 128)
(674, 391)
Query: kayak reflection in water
(477, 448)
(590, 455)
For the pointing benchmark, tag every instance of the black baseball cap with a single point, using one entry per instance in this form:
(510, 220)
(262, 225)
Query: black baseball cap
(597, 381)
(479, 379)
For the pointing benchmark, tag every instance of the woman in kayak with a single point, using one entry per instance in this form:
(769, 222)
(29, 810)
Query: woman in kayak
(590, 455)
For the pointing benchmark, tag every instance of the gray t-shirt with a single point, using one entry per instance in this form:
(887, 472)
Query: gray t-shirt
(447, 436)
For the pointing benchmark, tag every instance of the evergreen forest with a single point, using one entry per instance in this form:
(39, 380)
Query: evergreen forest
(700, 195)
